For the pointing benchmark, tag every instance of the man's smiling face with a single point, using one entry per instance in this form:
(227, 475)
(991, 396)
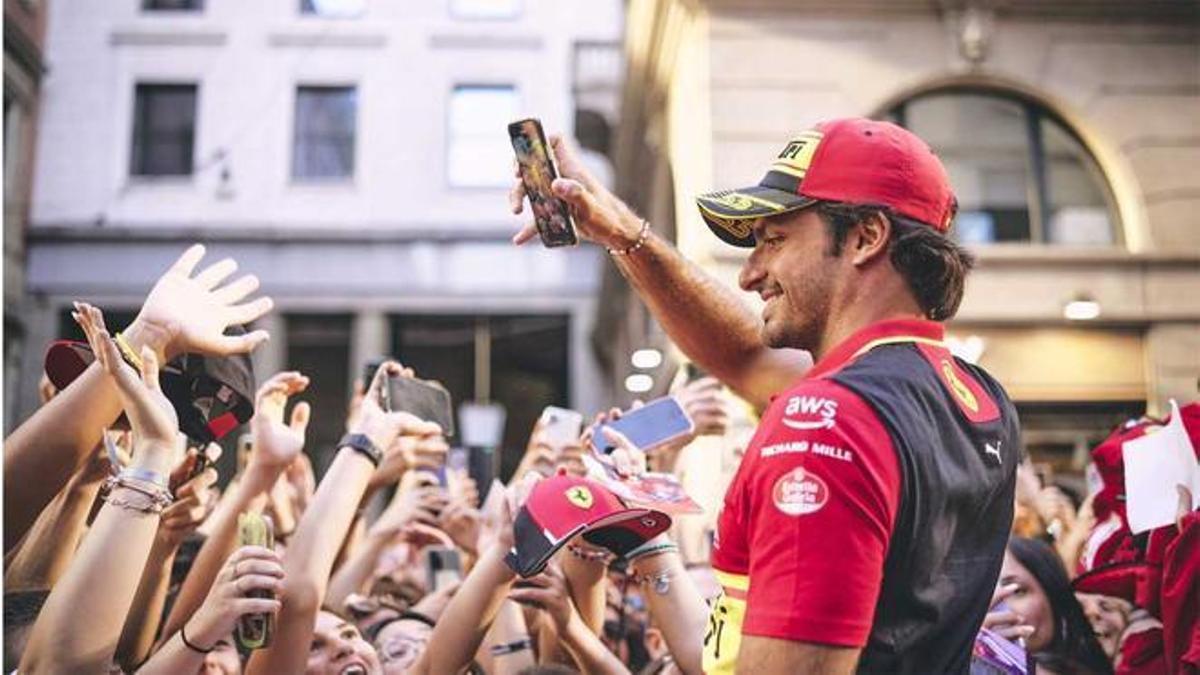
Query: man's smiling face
(792, 271)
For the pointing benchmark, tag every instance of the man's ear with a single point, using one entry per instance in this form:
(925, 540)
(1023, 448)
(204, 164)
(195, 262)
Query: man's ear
(869, 239)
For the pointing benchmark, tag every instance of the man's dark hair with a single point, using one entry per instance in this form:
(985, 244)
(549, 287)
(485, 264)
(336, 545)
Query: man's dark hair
(934, 265)
(21, 609)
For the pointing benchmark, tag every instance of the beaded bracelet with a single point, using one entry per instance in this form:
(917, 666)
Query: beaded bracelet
(591, 555)
(641, 241)
(159, 495)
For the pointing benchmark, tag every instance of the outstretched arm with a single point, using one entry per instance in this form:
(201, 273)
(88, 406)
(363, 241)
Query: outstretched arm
(78, 628)
(276, 444)
(314, 547)
(51, 544)
(708, 321)
(184, 312)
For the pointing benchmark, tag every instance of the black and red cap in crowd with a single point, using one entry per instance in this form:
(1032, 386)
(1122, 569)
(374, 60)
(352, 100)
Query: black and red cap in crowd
(562, 507)
(852, 160)
(212, 395)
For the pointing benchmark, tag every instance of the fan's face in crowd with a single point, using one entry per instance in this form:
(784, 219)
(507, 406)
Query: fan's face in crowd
(792, 271)
(222, 660)
(1029, 601)
(400, 644)
(339, 649)
(1108, 616)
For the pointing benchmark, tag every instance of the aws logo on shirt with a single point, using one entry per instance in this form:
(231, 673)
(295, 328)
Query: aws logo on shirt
(804, 413)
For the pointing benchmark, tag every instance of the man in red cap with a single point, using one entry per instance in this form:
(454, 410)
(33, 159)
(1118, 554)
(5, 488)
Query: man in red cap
(866, 526)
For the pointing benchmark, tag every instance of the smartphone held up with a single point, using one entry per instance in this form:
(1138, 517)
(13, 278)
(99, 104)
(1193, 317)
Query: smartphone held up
(550, 214)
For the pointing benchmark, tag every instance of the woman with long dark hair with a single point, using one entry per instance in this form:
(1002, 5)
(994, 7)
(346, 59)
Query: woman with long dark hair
(1062, 641)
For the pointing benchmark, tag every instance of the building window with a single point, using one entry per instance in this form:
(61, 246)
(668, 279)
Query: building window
(485, 9)
(333, 9)
(479, 152)
(323, 143)
(318, 345)
(172, 5)
(164, 130)
(1020, 173)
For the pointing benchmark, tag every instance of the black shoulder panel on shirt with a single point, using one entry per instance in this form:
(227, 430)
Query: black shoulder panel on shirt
(957, 436)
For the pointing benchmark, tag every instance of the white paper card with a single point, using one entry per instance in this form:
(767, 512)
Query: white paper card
(1154, 465)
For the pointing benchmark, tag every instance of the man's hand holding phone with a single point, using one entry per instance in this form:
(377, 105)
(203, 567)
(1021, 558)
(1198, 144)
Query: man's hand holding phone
(598, 214)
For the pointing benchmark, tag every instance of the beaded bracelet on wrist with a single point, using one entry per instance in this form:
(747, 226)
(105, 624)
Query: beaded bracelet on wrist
(589, 554)
(643, 235)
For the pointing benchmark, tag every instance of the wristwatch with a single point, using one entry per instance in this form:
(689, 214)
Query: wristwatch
(362, 443)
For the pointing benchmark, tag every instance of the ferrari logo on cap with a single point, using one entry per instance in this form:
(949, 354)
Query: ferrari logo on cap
(580, 496)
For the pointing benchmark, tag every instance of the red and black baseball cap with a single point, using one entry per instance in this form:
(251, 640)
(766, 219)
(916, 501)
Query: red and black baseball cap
(853, 160)
(562, 507)
(212, 395)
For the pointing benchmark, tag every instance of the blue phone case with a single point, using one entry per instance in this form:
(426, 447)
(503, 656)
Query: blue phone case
(652, 425)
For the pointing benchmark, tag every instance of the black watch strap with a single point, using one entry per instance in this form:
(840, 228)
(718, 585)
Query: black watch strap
(362, 443)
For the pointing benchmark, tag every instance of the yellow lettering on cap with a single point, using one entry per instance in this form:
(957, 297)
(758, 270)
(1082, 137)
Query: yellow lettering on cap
(798, 154)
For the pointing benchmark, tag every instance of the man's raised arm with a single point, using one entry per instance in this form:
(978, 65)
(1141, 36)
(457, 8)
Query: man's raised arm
(703, 316)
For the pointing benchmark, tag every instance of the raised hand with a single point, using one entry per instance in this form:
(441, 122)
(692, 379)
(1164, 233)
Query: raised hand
(412, 503)
(249, 568)
(462, 523)
(193, 504)
(384, 428)
(151, 415)
(599, 215)
(277, 443)
(548, 592)
(187, 312)
(705, 402)
(1003, 621)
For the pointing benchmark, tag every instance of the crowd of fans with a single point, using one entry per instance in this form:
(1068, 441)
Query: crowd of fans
(138, 567)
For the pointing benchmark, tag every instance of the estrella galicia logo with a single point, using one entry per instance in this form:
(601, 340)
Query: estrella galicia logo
(805, 413)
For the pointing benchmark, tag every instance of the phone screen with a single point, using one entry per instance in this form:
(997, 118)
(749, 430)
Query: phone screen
(561, 426)
(550, 213)
(650, 426)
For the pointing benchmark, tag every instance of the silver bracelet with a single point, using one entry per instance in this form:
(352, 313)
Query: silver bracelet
(643, 235)
(660, 581)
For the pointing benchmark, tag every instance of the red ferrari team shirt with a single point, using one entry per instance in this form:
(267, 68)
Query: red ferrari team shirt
(803, 533)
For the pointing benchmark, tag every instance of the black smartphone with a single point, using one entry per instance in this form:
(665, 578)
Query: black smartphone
(427, 400)
(551, 214)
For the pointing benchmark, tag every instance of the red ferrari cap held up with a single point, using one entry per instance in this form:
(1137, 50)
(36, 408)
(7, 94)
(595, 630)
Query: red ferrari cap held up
(561, 507)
